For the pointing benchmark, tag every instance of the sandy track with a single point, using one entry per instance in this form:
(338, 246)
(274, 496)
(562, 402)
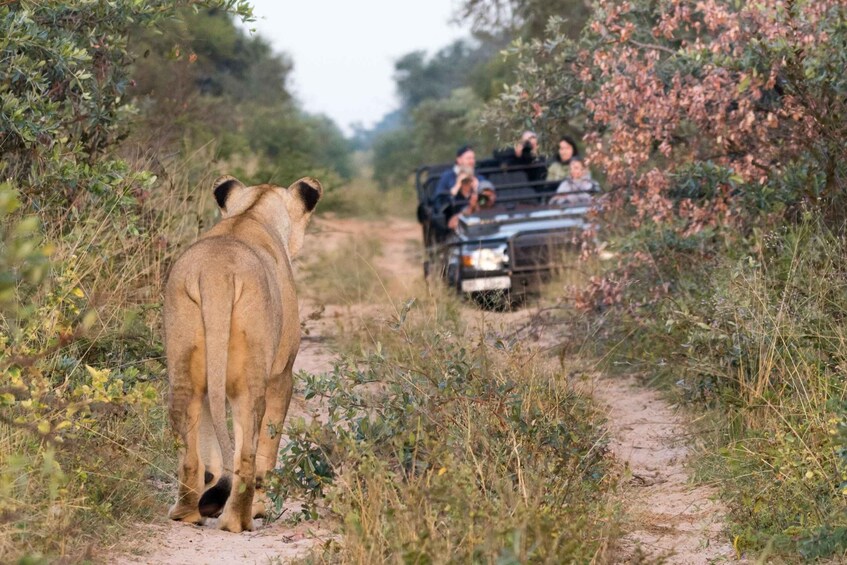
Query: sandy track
(667, 518)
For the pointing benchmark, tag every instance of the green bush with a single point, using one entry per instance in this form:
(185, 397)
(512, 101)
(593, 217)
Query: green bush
(64, 91)
(203, 80)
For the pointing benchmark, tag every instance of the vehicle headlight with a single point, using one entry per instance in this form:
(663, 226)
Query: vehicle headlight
(486, 258)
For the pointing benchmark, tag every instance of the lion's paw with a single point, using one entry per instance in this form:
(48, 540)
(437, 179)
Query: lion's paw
(186, 514)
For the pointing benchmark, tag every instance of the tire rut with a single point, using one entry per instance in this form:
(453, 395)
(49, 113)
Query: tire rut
(667, 517)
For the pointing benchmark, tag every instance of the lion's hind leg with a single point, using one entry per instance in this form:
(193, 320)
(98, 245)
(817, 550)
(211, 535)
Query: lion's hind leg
(186, 404)
(247, 412)
(247, 399)
(217, 483)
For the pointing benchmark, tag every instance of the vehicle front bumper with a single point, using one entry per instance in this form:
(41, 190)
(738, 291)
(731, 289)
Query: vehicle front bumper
(522, 282)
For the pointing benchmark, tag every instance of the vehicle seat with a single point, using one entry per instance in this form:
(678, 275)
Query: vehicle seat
(513, 188)
(521, 196)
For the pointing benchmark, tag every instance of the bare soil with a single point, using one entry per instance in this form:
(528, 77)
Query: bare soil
(667, 518)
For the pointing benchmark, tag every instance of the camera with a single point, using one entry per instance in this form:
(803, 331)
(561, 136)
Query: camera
(483, 199)
(527, 148)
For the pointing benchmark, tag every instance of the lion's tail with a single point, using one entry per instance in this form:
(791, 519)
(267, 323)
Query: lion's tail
(217, 323)
(217, 317)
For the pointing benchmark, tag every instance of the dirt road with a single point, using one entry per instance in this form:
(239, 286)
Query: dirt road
(666, 516)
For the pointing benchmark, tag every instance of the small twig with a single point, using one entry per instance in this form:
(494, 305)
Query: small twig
(653, 47)
(29, 360)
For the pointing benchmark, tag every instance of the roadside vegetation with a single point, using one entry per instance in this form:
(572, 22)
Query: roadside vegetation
(347, 274)
(363, 198)
(115, 120)
(718, 131)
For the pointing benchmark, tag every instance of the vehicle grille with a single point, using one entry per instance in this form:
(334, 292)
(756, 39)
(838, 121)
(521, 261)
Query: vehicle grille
(542, 250)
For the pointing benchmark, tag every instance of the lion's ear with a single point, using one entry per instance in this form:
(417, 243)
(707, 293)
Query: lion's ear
(224, 187)
(303, 197)
(308, 190)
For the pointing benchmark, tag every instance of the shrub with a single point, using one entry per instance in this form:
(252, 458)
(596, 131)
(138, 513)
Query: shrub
(65, 81)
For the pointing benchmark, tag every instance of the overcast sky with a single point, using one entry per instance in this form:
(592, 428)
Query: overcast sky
(344, 50)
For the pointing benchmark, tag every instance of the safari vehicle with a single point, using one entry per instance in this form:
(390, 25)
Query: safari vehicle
(508, 250)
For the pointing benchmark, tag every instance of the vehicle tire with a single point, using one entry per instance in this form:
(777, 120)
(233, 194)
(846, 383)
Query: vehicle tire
(453, 277)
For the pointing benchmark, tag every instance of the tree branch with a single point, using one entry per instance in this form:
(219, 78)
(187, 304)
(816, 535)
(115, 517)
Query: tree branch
(652, 46)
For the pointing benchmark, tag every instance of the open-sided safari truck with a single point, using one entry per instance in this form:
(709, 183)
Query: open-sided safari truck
(506, 251)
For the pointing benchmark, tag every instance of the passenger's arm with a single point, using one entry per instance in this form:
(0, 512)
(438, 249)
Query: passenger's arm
(441, 203)
(443, 185)
(454, 190)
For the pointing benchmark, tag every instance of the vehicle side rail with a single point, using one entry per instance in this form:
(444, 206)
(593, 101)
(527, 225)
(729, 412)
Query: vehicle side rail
(502, 191)
(422, 174)
(539, 195)
(481, 170)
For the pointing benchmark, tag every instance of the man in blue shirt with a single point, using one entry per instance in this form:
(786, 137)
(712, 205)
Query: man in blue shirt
(458, 187)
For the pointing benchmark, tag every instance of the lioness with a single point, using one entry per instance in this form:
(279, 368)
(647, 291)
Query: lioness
(232, 331)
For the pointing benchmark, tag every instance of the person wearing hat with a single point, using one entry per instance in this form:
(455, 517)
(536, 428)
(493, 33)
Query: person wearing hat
(451, 180)
(487, 194)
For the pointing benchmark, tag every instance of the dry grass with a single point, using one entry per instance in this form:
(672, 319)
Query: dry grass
(346, 274)
(445, 441)
(362, 198)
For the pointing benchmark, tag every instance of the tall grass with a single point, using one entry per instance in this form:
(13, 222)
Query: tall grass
(346, 274)
(362, 198)
(443, 441)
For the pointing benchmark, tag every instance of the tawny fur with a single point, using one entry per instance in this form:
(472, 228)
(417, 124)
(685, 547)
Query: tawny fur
(232, 331)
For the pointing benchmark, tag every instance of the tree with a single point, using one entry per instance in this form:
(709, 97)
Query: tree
(455, 66)
(525, 18)
(206, 81)
(698, 113)
(441, 100)
(432, 134)
(64, 89)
